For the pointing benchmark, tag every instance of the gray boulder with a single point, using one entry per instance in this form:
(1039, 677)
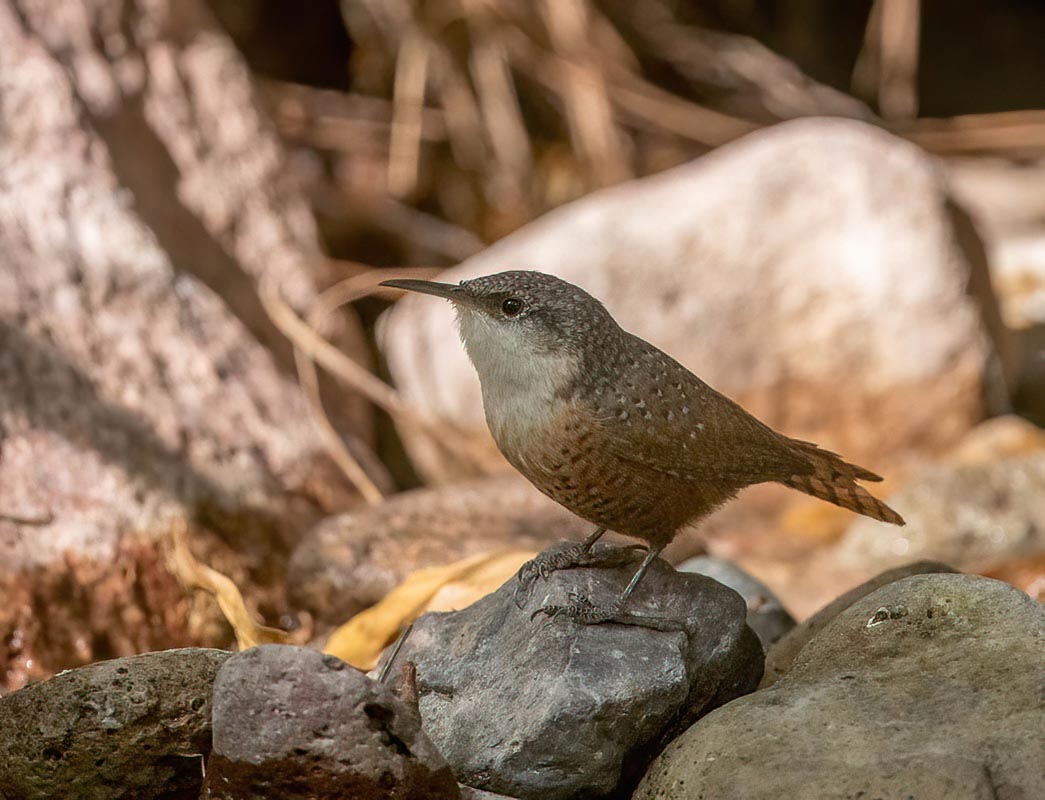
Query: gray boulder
(135, 728)
(782, 655)
(550, 709)
(468, 793)
(290, 722)
(766, 615)
(930, 687)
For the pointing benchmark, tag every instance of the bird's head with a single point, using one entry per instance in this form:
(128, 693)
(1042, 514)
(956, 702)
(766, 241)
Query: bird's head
(511, 317)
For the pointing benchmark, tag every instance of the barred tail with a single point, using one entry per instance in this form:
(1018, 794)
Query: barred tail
(835, 480)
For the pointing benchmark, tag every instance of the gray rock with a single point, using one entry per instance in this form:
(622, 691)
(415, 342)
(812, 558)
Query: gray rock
(134, 728)
(550, 709)
(468, 793)
(766, 615)
(782, 655)
(963, 514)
(930, 687)
(753, 257)
(350, 561)
(290, 722)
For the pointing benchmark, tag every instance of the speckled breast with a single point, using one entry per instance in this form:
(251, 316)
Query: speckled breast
(566, 456)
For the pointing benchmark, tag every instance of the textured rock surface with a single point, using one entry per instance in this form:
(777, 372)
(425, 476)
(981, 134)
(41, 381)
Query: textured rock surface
(142, 194)
(468, 793)
(765, 614)
(290, 722)
(968, 515)
(929, 688)
(782, 655)
(769, 267)
(352, 560)
(134, 728)
(549, 709)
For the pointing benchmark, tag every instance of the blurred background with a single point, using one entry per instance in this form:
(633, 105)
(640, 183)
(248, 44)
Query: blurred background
(833, 212)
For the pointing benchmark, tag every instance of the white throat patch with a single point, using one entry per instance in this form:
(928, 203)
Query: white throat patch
(519, 381)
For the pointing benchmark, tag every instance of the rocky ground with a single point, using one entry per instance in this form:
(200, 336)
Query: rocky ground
(923, 683)
(836, 279)
(918, 677)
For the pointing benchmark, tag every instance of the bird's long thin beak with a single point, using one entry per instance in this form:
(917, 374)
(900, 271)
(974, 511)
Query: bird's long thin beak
(448, 291)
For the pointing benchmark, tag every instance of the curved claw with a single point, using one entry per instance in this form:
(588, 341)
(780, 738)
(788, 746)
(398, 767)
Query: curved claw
(580, 610)
(526, 577)
(522, 594)
(555, 611)
(542, 566)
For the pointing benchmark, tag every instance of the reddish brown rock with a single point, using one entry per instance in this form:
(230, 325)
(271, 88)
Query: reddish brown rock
(290, 722)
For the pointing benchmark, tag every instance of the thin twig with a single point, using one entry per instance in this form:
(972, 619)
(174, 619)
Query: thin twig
(464, 125)
(352, 469)
(383, 676)
(1008, 131)
(37, 521)
(584, 92)
(424, 229)
(356, 377)
(323, 352)
(358, 286)
(404, 148)
(887, 66)
(651, 106)
(499, 105)
(341, 293)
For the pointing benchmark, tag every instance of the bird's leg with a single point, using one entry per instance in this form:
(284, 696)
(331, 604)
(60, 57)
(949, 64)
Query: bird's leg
(576, 555)
(584, 612)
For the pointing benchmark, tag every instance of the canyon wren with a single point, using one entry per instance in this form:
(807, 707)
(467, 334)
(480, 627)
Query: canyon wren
(616, 430)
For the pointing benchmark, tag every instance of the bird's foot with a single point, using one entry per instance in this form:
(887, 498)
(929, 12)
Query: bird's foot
(582, 611)
(568, 558)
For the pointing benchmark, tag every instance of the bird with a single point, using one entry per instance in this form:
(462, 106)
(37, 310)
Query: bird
(616, 430)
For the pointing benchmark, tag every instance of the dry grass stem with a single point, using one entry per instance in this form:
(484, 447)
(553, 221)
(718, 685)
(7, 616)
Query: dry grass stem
(316, 348)
(1013, 132)
(404, 147)
(584, 92)
(505, 129)
(193, 574)
(308, 378)
(887, 66)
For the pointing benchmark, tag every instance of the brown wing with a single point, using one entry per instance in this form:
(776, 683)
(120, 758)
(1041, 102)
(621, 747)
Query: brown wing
(661, 416)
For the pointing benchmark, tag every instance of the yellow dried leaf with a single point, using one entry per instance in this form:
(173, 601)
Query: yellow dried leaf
(360, 641)
(192, 573)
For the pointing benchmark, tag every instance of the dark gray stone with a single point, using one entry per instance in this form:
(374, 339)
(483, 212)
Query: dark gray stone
(135, 728)
(550, 709)
(468, 793)
(766, 615)
(780, 656)
(291, 722)
(928, 688)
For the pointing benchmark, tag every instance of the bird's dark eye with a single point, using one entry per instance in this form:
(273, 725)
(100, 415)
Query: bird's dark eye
(511, 306)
